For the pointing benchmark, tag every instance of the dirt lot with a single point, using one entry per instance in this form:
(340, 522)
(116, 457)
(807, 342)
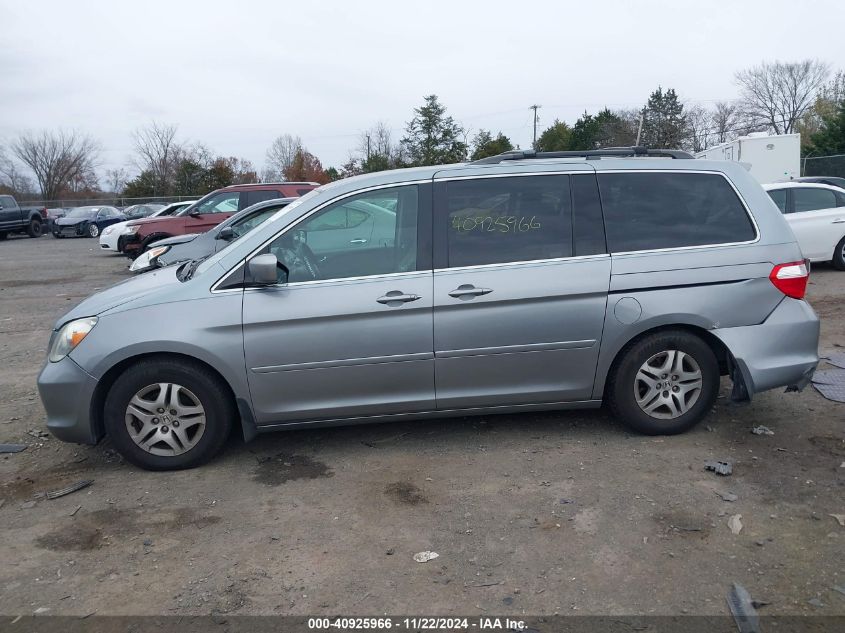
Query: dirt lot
(530, 514)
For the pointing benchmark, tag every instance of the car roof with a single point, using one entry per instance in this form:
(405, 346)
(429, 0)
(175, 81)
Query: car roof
(803, 185)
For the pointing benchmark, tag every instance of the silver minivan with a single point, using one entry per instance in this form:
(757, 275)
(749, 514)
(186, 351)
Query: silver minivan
(521, 282)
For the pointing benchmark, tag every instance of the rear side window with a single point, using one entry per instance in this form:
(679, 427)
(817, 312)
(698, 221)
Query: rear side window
(778, 196)
(512, 219)
(647, 211)
(249, 198)
(223, 202)
(807, 199)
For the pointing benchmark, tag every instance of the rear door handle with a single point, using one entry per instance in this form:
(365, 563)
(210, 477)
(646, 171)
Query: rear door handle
(839, 221)
(468, 290)
(358, 240)
(396, 297)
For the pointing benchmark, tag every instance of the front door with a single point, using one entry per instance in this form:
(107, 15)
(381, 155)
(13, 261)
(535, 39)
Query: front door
(817, 221)
(519, 302)
(347, 332)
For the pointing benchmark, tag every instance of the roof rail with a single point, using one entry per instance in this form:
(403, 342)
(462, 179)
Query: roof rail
(618, 152)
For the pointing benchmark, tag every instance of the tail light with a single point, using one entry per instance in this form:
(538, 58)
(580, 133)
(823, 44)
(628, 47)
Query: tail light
(44, 213)
(791, 279)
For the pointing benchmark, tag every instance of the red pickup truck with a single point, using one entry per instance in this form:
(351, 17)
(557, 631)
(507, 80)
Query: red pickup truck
(206, 213)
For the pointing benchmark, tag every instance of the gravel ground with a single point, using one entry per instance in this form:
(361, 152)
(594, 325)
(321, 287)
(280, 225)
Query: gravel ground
(530, 514)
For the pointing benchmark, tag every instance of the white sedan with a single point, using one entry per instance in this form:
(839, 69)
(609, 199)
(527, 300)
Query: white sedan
(816, 214)
(110, 237)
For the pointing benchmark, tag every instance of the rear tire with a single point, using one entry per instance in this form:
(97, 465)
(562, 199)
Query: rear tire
(156, 438)
(35, 228)
(839, 255)
(664, 383)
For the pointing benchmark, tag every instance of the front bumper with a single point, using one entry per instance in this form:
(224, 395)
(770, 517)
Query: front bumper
(66, 391)
(130, 245)
(67, 230)
(782, 351)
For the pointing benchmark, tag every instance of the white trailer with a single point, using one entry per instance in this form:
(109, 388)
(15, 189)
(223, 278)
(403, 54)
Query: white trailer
(769, 158)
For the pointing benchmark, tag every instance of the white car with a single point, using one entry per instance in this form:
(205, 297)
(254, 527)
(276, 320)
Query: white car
(110, 237)
(816, 214)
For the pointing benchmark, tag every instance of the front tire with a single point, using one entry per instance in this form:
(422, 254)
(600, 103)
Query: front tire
(168, 414)
(664, 383)
(839, 255)
(35, 228)
(93, 230)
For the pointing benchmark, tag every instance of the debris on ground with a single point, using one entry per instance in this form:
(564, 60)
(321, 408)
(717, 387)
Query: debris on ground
(12, 448)
(79, 485)
(815, 602)
(26, 505)
(77, 509)
(839, 589)
(38, 433)
(390, 551)
(424, 557)
(148, 542)
(762, 430)
(735, 523)
(840, 518)
(719, 467)
(837, 359)
(831, 384)
(727, 496)
(742, 609)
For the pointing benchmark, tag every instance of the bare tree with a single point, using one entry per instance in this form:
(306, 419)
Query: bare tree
(158, 152)
(11, 178)
(699, 121)
(780, 93)
(56, 158)
(116, 180)
(725, 118)
(280, 156)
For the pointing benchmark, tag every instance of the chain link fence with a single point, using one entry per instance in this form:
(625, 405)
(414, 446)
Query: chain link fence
(119, 202)
(823, 165)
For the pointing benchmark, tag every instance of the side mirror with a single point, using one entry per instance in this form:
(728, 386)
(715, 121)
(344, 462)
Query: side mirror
(263, 270)
(226, 233)
(194, 213)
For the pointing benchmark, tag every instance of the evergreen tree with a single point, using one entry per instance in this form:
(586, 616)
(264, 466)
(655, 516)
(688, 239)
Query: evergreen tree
(664, 123)
(831, 138)
(485, 145)
(432, 138)
(556, 138)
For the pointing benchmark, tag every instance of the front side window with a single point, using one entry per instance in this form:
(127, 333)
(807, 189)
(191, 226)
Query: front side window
(648, 211)
(807, 199)
(245, 225)
(354, 237)
(510, 219)
(224, 202)
(778, 196)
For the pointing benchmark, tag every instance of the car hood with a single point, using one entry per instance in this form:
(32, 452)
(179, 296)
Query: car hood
(70, 221)
(159, 220)
(178, 239)
(133, 289)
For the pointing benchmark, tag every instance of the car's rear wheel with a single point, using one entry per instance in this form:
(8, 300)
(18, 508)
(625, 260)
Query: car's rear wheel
(35, 228)
(839, 255)
(93, 230)
(664, 383)
(168, 414)
(3, 235)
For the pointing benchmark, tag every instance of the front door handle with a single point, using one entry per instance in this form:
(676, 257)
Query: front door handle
(838, 221)
(358, 240)
(468, 290)
(396, 298)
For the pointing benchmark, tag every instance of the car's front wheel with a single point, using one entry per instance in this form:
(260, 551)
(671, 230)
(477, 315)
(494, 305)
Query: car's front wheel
(664, 383)
(93, 230)
(839, 255)
(168, 414)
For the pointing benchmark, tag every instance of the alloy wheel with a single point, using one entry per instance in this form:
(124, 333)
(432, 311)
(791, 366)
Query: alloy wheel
(165, 419)
(93, 230)
(668, 384)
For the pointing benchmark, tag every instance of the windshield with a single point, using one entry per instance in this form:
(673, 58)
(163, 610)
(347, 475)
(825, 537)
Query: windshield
(82, 212)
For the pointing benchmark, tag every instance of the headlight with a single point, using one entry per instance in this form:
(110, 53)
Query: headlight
(132, 229)
(69, 337)
(144, 260)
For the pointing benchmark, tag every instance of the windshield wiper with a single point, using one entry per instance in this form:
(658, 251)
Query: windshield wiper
(190, 268)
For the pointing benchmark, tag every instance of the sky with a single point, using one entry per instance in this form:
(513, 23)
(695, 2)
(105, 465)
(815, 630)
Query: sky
(234, 75)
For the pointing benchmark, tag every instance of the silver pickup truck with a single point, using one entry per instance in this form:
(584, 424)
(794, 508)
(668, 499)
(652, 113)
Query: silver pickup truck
(17, 219)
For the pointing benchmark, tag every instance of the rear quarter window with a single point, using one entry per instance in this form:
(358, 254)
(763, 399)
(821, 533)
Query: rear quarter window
(648, 211)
